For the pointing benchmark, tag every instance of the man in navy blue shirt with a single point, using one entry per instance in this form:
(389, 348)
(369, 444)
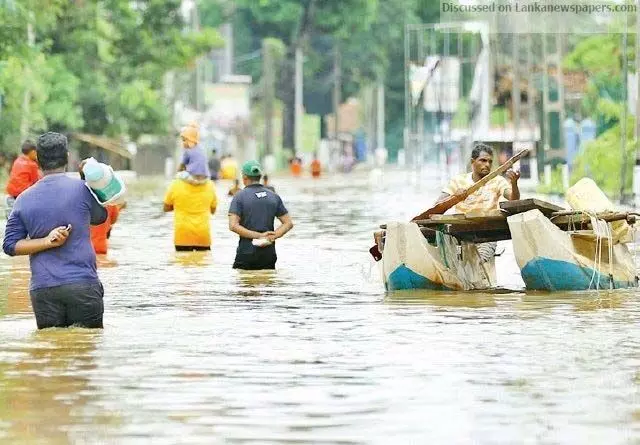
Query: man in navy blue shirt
(251, 215)
(50, 223)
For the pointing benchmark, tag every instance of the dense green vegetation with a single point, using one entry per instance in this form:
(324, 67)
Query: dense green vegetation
(95, 66)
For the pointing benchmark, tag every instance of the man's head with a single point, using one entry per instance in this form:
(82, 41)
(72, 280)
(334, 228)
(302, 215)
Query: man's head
(190, 135)
(29, 150)
(251, 172)
(265, 179)
(481, 160)
(52, 151)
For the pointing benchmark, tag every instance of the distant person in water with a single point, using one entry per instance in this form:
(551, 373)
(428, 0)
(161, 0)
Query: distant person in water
(24, 171)
(193, 205)
(193, 168)
(251, 216)
(265, 183)
(316, 167)
(100, 234)
(50, 222)
(295, 166)
(214, 165)
(235, 189)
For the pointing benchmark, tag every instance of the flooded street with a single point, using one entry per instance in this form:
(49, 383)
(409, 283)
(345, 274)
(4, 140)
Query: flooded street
(315, 352)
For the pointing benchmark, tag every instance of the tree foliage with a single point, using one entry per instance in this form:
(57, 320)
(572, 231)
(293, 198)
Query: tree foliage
(96, 66)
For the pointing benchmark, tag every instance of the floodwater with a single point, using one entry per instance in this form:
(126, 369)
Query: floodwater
(316, 352)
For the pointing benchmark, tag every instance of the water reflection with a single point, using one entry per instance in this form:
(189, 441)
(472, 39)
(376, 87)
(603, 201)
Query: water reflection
(48, 385)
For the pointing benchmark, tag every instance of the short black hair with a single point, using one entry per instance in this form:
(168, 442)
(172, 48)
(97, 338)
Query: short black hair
(28, 146)
(52, 150)
(265, 177)
(479, 148)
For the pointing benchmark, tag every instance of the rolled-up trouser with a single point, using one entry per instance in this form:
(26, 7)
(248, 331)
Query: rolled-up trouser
(261, 258)
(487, 250)
(78, 304)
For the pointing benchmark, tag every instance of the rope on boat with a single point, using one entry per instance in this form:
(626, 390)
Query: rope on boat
(599, 226)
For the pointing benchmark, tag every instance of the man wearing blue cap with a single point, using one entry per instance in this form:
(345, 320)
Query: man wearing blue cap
(251, 215)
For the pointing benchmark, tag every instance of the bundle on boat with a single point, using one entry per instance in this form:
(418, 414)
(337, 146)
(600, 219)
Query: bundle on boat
(555, 248)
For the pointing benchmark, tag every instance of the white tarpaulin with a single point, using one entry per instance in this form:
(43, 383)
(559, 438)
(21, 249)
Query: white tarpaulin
(419, 76)
(442, 92)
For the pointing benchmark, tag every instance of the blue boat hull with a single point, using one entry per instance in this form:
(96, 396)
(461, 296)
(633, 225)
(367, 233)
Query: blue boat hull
(555, 275)
(403, 278)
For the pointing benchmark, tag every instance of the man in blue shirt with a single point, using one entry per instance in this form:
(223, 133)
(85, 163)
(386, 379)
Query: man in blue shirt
(251, 215)
(50, 223)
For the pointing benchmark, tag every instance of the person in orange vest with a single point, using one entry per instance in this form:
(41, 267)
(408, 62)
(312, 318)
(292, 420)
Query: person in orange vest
(316, 168)
(100, 233)
(25, 171)
(296, 166)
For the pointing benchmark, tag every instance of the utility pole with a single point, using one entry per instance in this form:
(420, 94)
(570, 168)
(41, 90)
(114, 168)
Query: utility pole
(637, 127)
(380, 143)
(26, 99)
(298, 98)
(336, 90)
(623, 126)
(269, 93)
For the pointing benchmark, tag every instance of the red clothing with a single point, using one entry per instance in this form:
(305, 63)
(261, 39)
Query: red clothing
(24, 173)
(99, 232)
(315, 168)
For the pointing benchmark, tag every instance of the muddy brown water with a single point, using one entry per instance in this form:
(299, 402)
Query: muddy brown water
(316, 352)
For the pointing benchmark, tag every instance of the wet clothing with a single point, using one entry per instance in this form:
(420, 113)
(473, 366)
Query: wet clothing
(100, 233)
(192, 205)
(195, 161)
(263, 258)
(77, 304)
(485, 199)
(316, 168)
(257, 208)
(56, 200)
(24, 173)
(191, 248)
(65, 289)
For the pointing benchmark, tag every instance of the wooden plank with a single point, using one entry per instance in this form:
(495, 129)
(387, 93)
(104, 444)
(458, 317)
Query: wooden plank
(524, 205)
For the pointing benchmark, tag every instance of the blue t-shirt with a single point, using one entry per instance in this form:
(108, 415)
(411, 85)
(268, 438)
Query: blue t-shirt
(56, 200)
(257, 208)
(195, 161)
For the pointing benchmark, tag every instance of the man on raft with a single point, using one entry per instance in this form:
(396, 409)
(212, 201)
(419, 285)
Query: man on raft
(485, 199)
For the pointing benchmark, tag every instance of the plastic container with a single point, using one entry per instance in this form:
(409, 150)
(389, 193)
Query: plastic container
(102, 181)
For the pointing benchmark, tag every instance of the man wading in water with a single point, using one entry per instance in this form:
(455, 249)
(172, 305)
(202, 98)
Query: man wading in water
(251, 216)
(50, 223)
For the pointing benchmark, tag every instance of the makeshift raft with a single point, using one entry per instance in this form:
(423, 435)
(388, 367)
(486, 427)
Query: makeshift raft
(555, 249)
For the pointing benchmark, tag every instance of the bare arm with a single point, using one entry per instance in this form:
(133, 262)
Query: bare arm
(235, 227)
(56, 238)
(285, 226)
(513, 177)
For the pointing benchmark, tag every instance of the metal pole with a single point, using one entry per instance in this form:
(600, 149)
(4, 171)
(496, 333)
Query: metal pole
(336, 90)
(298, 100)
(267, 63)
(26, 98)
(515, 86)
(623, 126)
(408, 98)
(380, 115)
(637, 129)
